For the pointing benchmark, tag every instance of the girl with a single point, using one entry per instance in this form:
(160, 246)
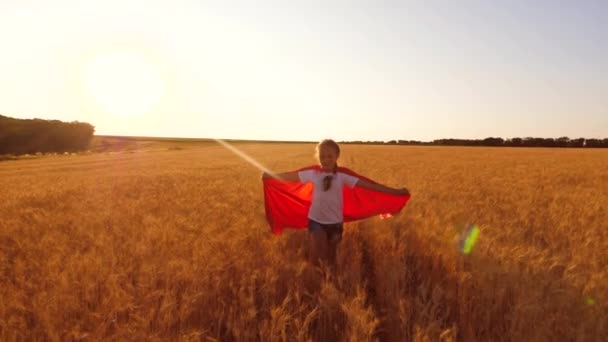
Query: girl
(325, 215)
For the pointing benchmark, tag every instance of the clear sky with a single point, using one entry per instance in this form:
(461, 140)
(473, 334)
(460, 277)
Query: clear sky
(306, 70)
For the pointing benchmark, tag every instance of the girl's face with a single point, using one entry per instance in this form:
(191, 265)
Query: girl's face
(328, 157)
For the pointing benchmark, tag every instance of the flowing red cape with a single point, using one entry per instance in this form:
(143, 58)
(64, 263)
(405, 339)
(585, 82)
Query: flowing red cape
(287, 203)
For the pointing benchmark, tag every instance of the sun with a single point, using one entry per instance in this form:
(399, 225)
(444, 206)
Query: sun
(123, 83)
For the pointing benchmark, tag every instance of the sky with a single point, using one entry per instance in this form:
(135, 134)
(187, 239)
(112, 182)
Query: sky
(309, 70)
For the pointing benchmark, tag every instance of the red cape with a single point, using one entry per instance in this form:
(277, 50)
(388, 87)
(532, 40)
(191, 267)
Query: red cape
(287, 203)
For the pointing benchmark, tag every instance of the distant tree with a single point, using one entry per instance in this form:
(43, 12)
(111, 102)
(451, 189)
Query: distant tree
(497, 141)
(549, 142)
(533, 142)
(515, 142)
(594, 143)
(19, 136)
(410, 142)
(452, 142)
(580, 142)
(493, 141)
(562, 142)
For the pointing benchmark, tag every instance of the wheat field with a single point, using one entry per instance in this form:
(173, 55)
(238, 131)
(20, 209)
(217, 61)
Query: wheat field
(171, 243)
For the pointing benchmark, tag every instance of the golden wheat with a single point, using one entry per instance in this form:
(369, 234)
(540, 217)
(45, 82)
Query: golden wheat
(172, 244)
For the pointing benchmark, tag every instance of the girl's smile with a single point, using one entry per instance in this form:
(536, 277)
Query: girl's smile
(328, 158)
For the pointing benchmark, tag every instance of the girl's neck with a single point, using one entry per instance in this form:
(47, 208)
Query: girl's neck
(331, 169)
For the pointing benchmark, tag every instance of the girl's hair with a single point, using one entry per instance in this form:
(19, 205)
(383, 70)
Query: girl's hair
(328, 143)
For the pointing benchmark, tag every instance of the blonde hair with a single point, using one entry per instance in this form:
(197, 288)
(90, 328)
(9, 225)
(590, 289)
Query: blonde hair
(327, 143)
(331, 144)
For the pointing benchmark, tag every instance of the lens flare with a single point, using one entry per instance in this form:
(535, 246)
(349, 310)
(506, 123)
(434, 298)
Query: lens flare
(590, 301)
(245, 157)
(469, 239)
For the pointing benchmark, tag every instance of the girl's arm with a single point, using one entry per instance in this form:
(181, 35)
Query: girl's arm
(287, 176)
(379, 187)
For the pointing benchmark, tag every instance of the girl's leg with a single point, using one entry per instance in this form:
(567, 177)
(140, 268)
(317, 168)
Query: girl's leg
(334, 236)
(318, 247)
(332, 251)
(318, 243)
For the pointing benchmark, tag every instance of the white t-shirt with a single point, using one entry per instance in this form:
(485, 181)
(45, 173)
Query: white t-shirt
(327, 205)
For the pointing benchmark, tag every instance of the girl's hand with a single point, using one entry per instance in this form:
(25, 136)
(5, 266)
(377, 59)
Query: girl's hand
(402, 192)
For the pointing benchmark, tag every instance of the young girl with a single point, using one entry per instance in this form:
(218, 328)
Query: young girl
(325, 215)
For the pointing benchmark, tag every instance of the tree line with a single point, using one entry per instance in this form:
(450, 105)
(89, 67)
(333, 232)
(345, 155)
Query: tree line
(28, 136)
(491, 141)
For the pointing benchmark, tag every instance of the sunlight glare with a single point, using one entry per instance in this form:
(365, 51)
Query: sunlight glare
(123, 83)
(245, 157)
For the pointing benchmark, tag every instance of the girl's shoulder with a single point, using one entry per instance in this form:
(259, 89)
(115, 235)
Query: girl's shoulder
(310, 168)
(347, 171)
(310, 171)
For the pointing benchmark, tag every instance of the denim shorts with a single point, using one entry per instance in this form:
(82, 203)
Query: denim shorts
(333, 231)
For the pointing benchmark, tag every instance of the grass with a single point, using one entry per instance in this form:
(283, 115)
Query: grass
(169, 242)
